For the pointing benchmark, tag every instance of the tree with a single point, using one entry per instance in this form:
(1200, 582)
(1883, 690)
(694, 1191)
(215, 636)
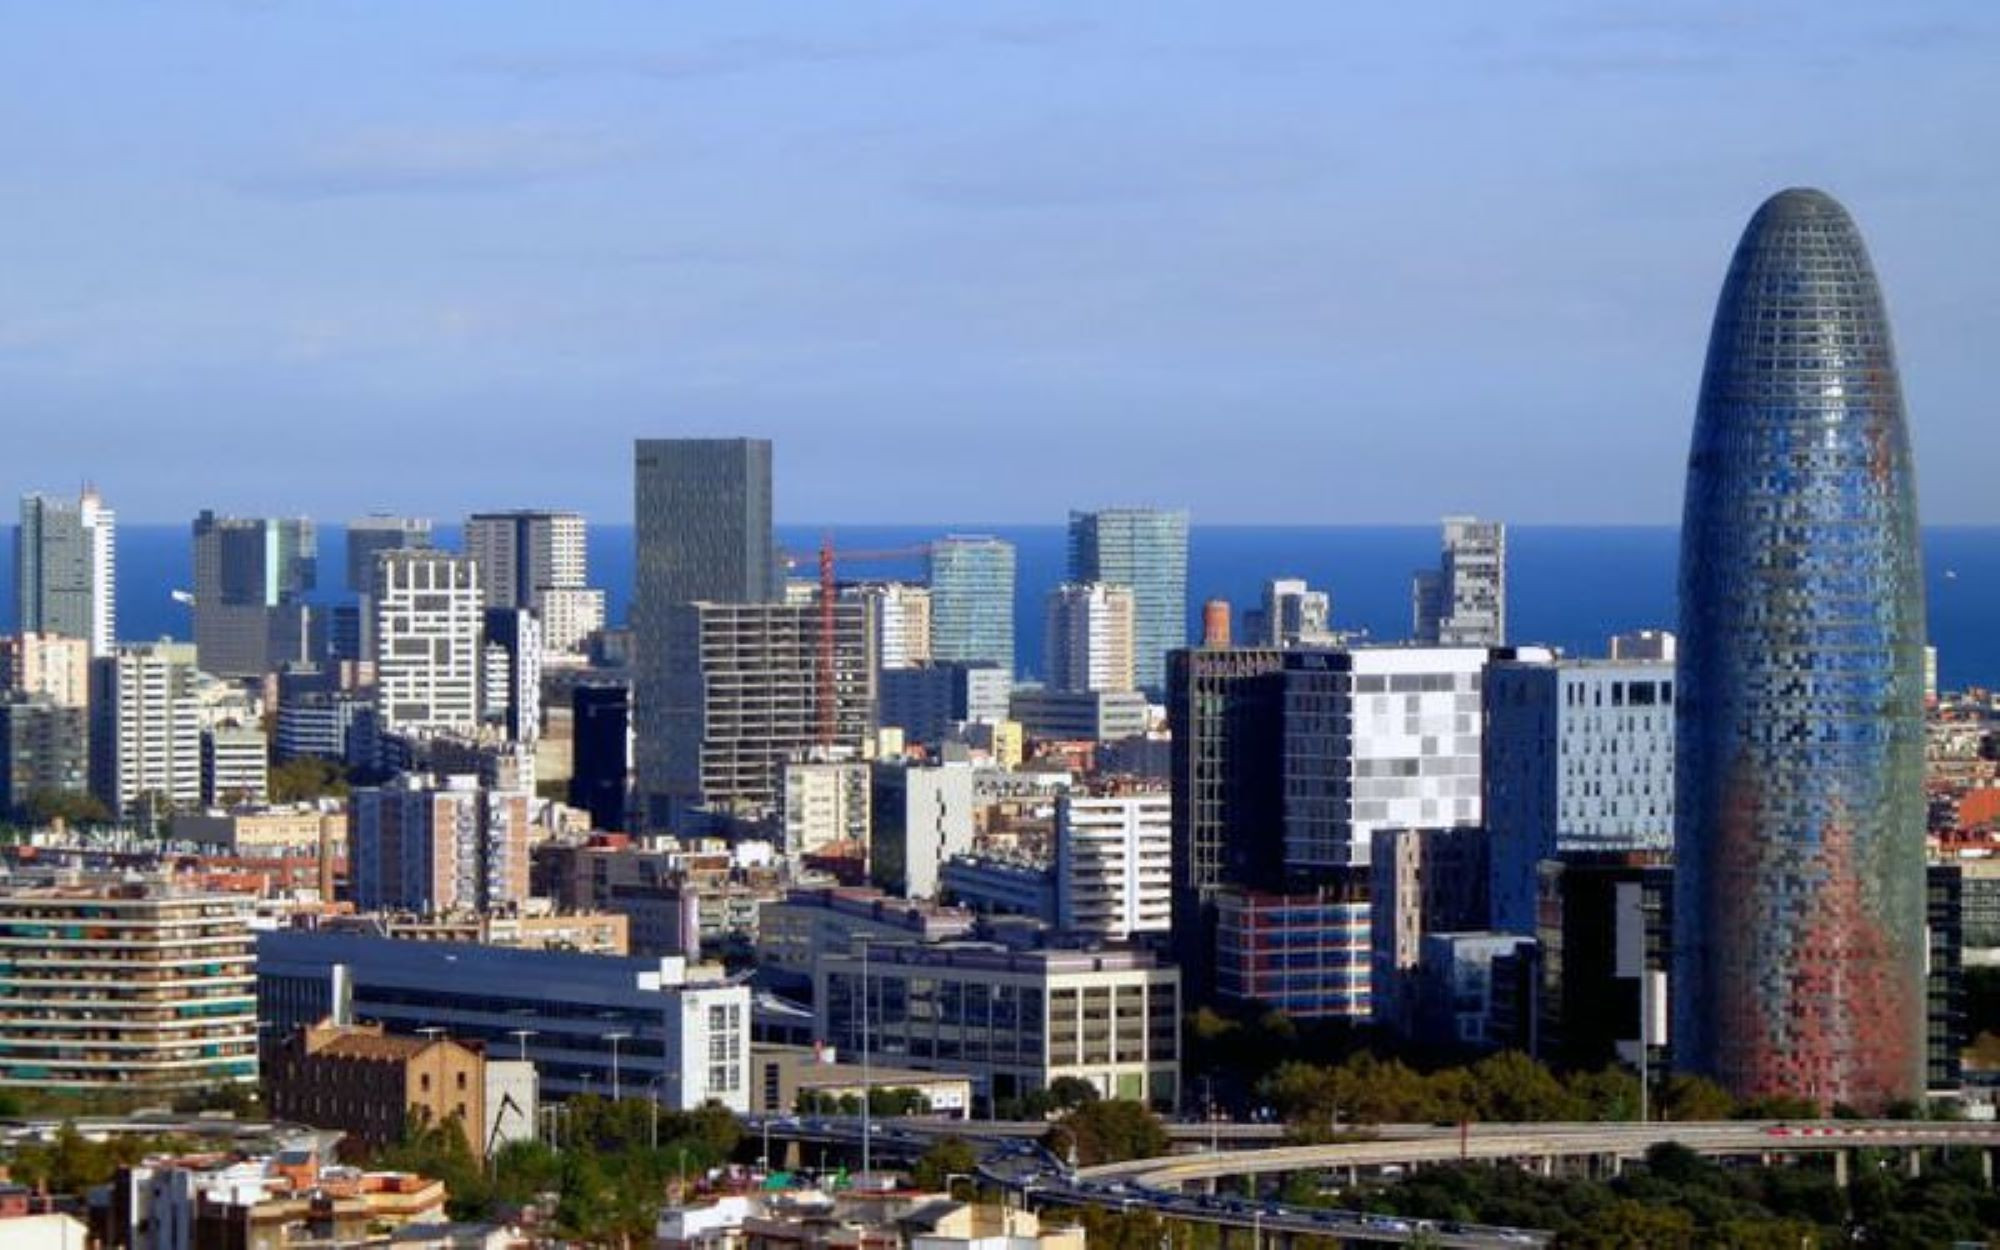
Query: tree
(1510, 1087)
(1067, 1092)
(946, 1157)
(45, 807)
(1610, 1094)
(1684, 1098)
(306, 778)
(441, 1149)
(525, 1170)
(1109, 1131)
(1628, 1225)
(1779, 1107)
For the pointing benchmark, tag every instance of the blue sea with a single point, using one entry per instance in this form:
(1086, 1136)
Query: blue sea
(1569, 586)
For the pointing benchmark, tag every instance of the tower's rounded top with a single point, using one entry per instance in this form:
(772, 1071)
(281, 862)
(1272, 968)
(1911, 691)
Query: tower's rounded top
(1796, 205)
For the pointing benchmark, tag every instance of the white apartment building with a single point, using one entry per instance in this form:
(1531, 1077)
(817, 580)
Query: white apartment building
(899, 621)
(510, 672)
(1114, 864)
(235, 766)
(125, 984)
(570, 615)
(428, 611)
(825, 801)
(920, 818)
(47, 666)
(145, 737)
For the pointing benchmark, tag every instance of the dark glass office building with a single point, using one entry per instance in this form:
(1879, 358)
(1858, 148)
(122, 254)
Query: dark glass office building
(1799, 946)
(600, 715)
(702, 511)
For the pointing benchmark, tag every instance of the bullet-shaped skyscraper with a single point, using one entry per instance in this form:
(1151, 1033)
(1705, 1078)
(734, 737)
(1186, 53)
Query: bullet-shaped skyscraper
(1799, 935)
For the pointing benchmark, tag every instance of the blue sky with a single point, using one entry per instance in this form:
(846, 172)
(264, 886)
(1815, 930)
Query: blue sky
(1275, 263)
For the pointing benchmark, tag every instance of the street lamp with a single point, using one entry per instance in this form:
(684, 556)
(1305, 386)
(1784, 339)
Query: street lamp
(867, 1077)
(614, 1039)
(653, 1095)
(522, 1036)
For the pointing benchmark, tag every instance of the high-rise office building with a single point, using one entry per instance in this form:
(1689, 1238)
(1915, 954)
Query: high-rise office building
(1420, 882)
(1604, 920)
(1293, 615)
(1225, 708)
(251, 576)
(145, 730)
(745, 693)
(703, 514)
(1579, 757)
(1463, 601)
(66, 570)
(1377, 738)
(899, 620)
(523, 552)
(538, 561)
(972, 600)
(926, 701)
(1145, 549)
(369, 536)
(428, 627)
(704, 522)
(1091, 636)
(601, 748)
(1799, 943)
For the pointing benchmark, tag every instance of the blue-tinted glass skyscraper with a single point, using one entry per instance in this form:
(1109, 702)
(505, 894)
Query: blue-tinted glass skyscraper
(1145, 549)
(972, 600)
(1799, 960)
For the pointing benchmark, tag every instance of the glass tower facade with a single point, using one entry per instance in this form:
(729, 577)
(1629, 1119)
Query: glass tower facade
(1799, 946)
(702, 508)
(1147, 550)
(972, 600)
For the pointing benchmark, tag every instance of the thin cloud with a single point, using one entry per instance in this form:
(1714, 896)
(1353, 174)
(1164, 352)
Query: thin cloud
(1056, 169)
(394, 160)
(756, 53)
(728, 57)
